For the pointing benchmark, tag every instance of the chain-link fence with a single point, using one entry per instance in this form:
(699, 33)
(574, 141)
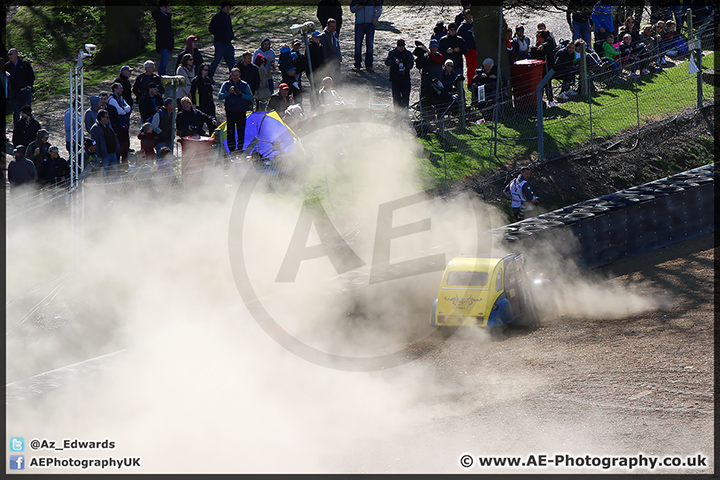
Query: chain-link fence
(595, 106)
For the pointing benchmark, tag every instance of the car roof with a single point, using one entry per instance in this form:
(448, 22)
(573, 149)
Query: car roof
(474, 264)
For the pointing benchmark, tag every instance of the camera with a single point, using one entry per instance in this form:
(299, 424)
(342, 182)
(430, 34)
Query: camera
(90, 48)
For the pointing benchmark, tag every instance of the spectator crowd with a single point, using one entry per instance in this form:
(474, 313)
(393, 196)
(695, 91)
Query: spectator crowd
(611, 34)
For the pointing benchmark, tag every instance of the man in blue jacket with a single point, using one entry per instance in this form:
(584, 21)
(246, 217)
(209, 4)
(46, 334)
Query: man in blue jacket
(222, 30)
(238, 100)
(367, 13)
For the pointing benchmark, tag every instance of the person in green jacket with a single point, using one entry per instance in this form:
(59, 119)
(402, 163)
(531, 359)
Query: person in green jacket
(612, 53)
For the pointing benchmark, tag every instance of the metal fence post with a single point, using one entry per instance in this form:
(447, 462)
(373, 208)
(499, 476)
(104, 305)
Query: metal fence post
(442, 133)
(583, 72)
(461, 99)
(698, 59)
(539, 90)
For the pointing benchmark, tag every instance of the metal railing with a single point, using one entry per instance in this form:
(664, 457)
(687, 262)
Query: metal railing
(602, 109)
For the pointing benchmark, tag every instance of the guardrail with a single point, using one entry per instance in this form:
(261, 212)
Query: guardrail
(622, 224)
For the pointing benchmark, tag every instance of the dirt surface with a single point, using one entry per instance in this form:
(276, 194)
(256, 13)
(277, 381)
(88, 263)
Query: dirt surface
(635, 160)
(578, 384)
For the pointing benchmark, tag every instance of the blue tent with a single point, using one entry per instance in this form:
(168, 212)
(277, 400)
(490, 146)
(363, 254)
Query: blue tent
(273, 135)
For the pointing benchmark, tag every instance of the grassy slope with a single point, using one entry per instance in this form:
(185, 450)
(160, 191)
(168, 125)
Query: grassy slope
(567, 127)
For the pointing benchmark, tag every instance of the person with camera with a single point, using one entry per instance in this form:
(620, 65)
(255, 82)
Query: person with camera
(238, 100)
(400, 62)
(449, 80)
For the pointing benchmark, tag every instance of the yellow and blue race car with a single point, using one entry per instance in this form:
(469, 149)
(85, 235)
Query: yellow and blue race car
(487, 292)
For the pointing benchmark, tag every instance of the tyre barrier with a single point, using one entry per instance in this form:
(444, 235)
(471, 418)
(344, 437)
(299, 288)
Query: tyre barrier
(622, 224)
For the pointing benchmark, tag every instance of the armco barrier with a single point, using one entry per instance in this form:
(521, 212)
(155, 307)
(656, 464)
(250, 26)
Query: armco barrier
(622, 224)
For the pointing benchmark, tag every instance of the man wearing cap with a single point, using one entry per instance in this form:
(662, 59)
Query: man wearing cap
(150, 103)
(26, 128)
(238, 100)
(367, 13)
(429, 61)
(453, 47)
(400, 61)
(315, 54)
(20, 170)
(22, 78)
(56, 169)
(249, 72)
(280, 100)
(37, 150)
(449, 80)
(124, 79)
(140, 87)
(222, 31)
(90, 157)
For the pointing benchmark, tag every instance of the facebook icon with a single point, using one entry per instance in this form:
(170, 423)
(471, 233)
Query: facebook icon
(17, 462)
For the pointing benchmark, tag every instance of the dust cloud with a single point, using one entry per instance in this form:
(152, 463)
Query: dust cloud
(191, 382)
(580, 293)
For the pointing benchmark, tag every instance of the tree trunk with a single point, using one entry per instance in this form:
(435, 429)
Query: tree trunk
(123, 39)
(485, 23)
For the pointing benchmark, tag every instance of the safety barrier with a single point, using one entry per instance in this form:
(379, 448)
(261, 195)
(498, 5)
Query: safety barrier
(622, 224)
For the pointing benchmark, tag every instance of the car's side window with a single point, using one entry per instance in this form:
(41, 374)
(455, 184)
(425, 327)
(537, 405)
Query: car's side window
(499, 280)
(510, 275)
(519, 267)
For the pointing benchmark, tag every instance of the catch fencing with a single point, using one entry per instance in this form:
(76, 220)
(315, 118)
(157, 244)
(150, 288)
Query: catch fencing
(601, 110)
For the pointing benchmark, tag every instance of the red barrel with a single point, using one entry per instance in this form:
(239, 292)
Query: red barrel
(526, 76)
(195, 156)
